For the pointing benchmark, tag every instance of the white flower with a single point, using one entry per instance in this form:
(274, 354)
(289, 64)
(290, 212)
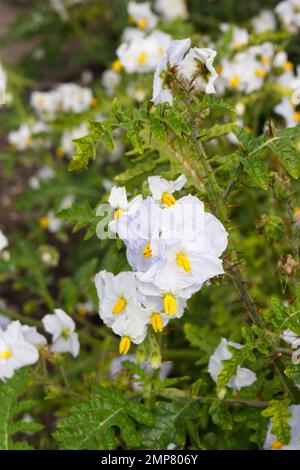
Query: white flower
(172, 9)
(287, 110)
(291, 338)
(62, 328)
(197, 69)
(4, 321)
(240, 36)
(118, 295)
(272, 443)
(3, 241)
(32, 336)
(15, 351)
(289, 13)
(110, 81)
(132, 327)
(141, 15)
(162, 189)
(243, 378)
(43, 175)
(264, 22)
(21, 139)
(122, 210)
(143, 55)
(172, 58)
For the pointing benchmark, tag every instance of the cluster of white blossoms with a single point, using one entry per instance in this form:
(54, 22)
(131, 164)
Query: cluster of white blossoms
(289, 14)
(272, 443)
(191, 67)
(173, 247)
(66, 97)
(20, 345)
(243, 378)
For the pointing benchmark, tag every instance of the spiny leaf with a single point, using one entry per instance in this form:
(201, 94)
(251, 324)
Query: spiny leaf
(10, 409)
(279, 414)
(220, 414)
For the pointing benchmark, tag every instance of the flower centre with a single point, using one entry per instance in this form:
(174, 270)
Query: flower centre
(156, 322)
(6, 354)
(119, 306)
(276, 445)
(65, 332)
(118, 213)
(183, 262)
(234, 81)
(168, 199)
(147, 251)
(143, 23)
(296, 116)
(124, 345)
(117, 66)
(265, 60)
(142, 58)
(44, 222)
(288, 65)
(260, 73)
(170, 304)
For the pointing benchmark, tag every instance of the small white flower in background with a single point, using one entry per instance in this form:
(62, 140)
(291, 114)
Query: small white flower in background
(171, 59)
(15, 351)
(243, 378)
(85, 308)
(62, 328)
(240, 36)
(3, 83)
(143, 55)
(288, 111)
(291, 338)
(43, 175)
(21, 139)
(32, 336)
(142, 15)
(3, 241)
(264, 22)
(51, 222)
(110, 81)
(289, 14)
(272, 443)
(171, 10)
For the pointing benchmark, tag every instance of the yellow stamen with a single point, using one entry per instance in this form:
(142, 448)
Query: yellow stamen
(219, 69)
(296, 116)
(60, 152)
(260, 72)
(131, 20)
(288, 65)
(142, 58)
(265, 60)
(94, 102)
(143, 23)
(118, 213)
(156, 322)
(44, 222)
(234, 81)
(117, 66)
(276, 445)
(5, 354)
(170, 304)
(65, 332)
(82, 311)
(147, 251)
(124, 345)
(168, 199)
(297, 213)
(119, 306)
(183, 262)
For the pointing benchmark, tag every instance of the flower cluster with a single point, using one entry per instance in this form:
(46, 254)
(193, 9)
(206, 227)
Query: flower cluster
(173, 246)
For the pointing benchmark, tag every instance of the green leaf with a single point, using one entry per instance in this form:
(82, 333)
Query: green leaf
(279, 414)
(158, 129)
(10, 409)
(217, 131)
(85, 150)
(94, 423)
(255, 422)
(220, 414)
(169, 424)
(257, 170)
(288, 155)
(81, 216)
(293, 372)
